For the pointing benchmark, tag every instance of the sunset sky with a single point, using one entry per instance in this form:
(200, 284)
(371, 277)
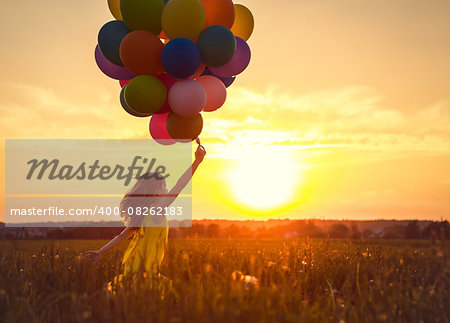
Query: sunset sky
(343, 113)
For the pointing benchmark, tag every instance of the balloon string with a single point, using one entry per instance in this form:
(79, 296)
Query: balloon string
(198, 141)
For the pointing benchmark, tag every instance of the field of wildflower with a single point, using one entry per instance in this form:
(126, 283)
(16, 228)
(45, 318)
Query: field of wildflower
(230, 280)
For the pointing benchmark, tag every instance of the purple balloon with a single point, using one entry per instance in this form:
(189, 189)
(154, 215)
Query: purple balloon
(238, 63)
(110, 69)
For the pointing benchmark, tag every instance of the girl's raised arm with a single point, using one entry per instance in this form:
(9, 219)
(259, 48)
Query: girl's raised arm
(184, 179)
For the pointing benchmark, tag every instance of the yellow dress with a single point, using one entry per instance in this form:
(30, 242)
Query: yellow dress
(144, 253)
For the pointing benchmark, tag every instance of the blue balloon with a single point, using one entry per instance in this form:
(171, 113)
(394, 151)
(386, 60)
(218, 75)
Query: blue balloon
(227, 81)
(127, 108)
(217, 45)
(109, 38)
(180, 58)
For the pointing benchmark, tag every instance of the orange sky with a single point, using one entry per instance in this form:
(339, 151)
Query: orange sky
(356, 94)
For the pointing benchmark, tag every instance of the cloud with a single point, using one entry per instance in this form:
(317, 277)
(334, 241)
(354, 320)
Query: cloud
(346, 118)
(29, 111)
(350, 117)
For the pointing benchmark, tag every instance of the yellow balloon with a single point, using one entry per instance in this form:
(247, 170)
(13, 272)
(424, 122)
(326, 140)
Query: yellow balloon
(183, 18)
(114, 7)
(243, 22)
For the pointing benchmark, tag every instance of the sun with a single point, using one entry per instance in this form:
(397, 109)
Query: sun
(264, 179)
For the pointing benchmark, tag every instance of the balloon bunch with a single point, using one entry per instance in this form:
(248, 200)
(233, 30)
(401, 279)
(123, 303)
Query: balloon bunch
(174, 59)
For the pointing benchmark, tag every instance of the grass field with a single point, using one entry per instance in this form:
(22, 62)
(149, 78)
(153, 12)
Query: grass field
(219, 280)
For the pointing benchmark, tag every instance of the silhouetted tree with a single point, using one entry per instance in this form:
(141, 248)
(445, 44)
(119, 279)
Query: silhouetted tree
(231, 231)
(213, 230)
(439, 230)
(198, 229)
(307, 228)
(356, 234)
(367, 233)
(339, 230)
(235, 231)
(263, 232)
(412, 230)
(56, 234)
(394, 232)
(246, 232)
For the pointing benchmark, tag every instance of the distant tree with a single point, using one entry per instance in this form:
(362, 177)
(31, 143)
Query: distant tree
(198, 229)
(356, 234)
(263, 232)
(307, 228)
(246, 232)
(437, 230)
(313, 230)
(235, 231)
(301, 227)
(394, 232)
(412, 230)
(56, 234)
(213, 230)
(339, 230)
(231, 231)
(367, 233)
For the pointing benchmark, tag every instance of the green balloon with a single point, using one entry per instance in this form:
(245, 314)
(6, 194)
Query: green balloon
(142, 14)
(145, 94)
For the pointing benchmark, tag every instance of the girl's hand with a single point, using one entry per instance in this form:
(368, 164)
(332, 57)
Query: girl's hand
(200, 153)
(93, 255)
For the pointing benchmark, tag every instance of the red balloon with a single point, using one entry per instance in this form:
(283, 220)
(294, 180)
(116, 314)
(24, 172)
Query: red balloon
(168, 81)
(123, 82)
(219, 12)
(158, 129)
(140, 52)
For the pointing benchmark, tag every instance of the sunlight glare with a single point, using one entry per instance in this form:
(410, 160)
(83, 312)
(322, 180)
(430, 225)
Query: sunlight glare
(265, 177)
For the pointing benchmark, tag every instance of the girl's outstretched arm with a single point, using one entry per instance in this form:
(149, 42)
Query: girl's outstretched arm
(95, 254)
(184, 179)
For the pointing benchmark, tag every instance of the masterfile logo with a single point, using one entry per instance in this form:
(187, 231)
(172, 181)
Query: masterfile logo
(68, 182)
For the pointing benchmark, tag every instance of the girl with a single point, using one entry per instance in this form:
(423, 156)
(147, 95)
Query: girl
(150, 233)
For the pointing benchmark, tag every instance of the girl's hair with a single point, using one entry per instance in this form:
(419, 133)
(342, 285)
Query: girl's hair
(144, 194)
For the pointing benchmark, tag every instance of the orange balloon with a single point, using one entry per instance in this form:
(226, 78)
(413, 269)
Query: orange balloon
(184, 129)
(219, 12)
(243, 23)
(140, 52)
(114, 7)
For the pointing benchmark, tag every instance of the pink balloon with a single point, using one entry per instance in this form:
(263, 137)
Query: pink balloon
(187, 98)
(110, 69)
(216, 92)
(238, 63)
(158, 129)
(168, 81)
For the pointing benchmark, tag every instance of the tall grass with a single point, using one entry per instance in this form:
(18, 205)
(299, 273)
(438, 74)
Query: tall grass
(208, 280)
